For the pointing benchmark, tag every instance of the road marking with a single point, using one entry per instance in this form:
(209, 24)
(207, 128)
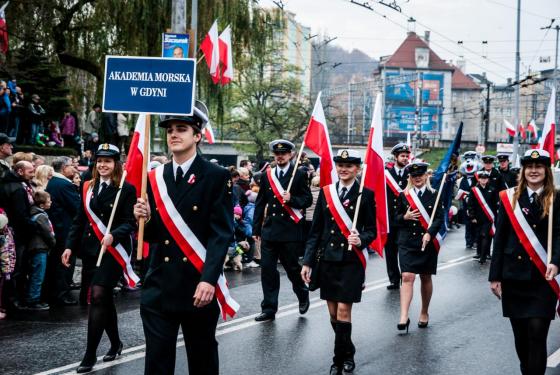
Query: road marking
(554, 359)
(238, 324)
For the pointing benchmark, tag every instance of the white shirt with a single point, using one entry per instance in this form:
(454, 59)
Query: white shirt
(340, 186)
(423, 190)
(101, 180)
(285, 170)
(397, 170)
(185, 166)
(538, 191)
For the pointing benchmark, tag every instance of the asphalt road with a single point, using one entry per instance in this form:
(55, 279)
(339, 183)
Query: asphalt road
(467, 333)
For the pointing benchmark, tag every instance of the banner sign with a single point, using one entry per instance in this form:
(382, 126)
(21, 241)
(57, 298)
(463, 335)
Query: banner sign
(150, 85)
(175, 45)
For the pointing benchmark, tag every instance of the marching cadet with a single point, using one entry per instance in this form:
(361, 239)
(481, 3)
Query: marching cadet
(466, 183)
(397, 178)
(418, 241)
(340, 273)
(495, 180)
(520, 274)
(87, 235)
(509, 176)
(279, 221)
(482, 206)
(189, 222)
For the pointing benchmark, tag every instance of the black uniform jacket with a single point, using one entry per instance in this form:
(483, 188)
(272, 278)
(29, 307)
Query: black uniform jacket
(206, 207)
(496, 180)
(510, 261)
(81, 237)
(271, 221)
(509, 177)
(411, 231)
(475, 210)
(325, 233)
(392, 199)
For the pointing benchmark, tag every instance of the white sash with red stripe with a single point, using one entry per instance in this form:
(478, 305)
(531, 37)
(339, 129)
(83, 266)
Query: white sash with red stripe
(393, 185)
(117, 251)
(485, 208)
(424, 219)
(342, 219)
(460, 194)
(527, 237)
(187, 241)
(278, 190)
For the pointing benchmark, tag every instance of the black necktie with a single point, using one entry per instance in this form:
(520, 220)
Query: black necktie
(343, 193)
(179, 175)
(419, 193)
(281, 174)
(400, 172)
(533, 199)
(103, 187)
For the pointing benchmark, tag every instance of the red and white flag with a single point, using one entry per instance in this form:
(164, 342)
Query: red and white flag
(3, 29)
(548, 136)
(135, 158)
(226, 56)
(510, 128)
(409, 144)
(522, 131)
(374, 176)
(209, 134)
(532, 128)
(211, 49)
(317, 139)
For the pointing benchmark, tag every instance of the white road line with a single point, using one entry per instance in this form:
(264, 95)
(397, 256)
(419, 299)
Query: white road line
(554, 359)
(239, 324)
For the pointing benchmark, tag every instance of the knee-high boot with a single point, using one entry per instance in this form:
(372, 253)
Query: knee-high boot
(348, 346)
(339, 348)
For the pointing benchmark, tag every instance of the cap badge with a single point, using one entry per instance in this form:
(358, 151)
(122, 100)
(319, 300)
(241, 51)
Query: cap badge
(105, 146)
(344, 154)
(278, 145)
(535, 154)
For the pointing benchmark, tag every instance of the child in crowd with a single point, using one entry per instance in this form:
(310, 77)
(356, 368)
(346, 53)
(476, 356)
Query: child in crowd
(38, 248)
(7, 256)
(240, 244)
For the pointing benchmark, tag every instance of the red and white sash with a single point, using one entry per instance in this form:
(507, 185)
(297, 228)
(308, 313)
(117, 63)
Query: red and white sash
(461, 194)
(187, 241)
(424, 219)
(485, 208)
(393, 184)
(342, 219)
(278, 190)
(117, 251)
(527, 237)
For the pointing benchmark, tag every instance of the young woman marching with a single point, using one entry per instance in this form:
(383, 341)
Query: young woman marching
(418, 241)
(339, 272)
(86, 236)
(519, 273)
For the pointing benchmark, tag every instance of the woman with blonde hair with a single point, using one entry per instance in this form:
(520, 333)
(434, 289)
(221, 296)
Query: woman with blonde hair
(43, 174)
(520, 273)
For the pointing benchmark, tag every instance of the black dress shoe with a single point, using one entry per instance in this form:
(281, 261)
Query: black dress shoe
(112, 354)
(67, 301)
(403, 326)
(393, 286)
(335, 370)
(304, 306)
(349, 365)
(86, 365)
(264, 317)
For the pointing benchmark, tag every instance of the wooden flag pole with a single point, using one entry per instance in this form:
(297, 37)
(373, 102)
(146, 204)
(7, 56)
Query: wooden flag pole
(358, 202)
(110, 224)
(200, 59)
(295, 168)
(435, 205)
(144, 187)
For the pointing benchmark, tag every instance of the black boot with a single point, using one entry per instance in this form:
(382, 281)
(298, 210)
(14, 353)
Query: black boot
(333, 325)
(348, 347)
(338, 359)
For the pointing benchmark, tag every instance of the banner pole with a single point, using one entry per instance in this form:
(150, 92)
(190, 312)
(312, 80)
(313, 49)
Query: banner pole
(436, 205)
(144, 187)
(295, 167)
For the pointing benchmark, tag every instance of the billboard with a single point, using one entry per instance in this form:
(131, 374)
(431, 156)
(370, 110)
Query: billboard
(175, 45)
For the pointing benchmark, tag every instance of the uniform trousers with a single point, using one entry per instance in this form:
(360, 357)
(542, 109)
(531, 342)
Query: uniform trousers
(392, 257)
(199, 332)
(483, 242)
(288, 253)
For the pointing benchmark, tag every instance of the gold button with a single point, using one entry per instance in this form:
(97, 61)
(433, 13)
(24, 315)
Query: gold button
(185, 260)
(351, 207)
(519, 257)
(341, 245)
(429, 206)
(274, 214)
(111, 205)
(394, 206)
(194, 208)
(534, 226)
(327, 206)
(332, 231)
(281, 214)
(332, 218)
(332, 244)
(101, 215)
(274, 205)
(166, 259)
(269, 188)
(157, 208)
(414, 234)
(166, 242)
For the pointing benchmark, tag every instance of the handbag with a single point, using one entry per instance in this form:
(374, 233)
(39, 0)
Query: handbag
(316, 272)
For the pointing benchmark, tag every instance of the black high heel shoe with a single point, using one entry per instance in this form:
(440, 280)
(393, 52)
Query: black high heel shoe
(86, 365)
(403, 326)
(111, 355)
(424, 324)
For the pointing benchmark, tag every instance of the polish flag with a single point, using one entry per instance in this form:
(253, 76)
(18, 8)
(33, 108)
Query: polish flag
(211, 50)
(209, 134)
(522, 131)
(135, 158)
(532, 128)
(374, 176)
(548, 136)
(510, 128)
(3, 29)
(226, 56)
(317, 139)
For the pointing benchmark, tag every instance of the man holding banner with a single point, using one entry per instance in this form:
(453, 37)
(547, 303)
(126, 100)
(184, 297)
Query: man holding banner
(189, 221)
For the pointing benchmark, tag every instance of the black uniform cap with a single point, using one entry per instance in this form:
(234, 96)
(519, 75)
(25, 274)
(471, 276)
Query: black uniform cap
(281, 145)
(108, 150)
(488, 158)
(198, 119)
(483, 174)
(400, 148)
(347, 156)
(536, 156)
(418, 168)
(503, 156)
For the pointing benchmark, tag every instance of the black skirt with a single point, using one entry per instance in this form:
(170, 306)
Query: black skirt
(107, 274)
(417, 261)
(341, 281)
(528, 299)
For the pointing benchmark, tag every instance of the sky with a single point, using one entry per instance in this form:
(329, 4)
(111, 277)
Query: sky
(381, 32)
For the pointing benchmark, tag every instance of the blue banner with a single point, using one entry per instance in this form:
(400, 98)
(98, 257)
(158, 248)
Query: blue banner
(153, 85)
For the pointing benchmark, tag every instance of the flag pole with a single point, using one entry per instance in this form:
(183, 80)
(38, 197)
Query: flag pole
(358, 201)
(295, 167)
(144, 187)
(200, 59)
(436, 205)
(110, 224)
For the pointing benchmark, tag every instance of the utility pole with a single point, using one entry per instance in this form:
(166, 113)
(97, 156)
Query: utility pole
(487, 116)
(517, 61)
(194, 27)
(179, 17)
(417, 122)
(350, 115)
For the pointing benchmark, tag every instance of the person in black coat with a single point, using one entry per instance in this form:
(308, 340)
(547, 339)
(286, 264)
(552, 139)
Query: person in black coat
(528, 299)
(341, 273)
(399, 173)
(496, 180)
(282, 237)
(418, 246)
(478, 215)
(509, 176)
(83, 240)
(175, 293)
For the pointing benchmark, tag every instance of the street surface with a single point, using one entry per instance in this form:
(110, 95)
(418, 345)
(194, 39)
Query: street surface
(466, 335)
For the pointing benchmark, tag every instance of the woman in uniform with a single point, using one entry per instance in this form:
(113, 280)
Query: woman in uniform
(519, 273)
(339, 272)
(83, 241)
(418, 242)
